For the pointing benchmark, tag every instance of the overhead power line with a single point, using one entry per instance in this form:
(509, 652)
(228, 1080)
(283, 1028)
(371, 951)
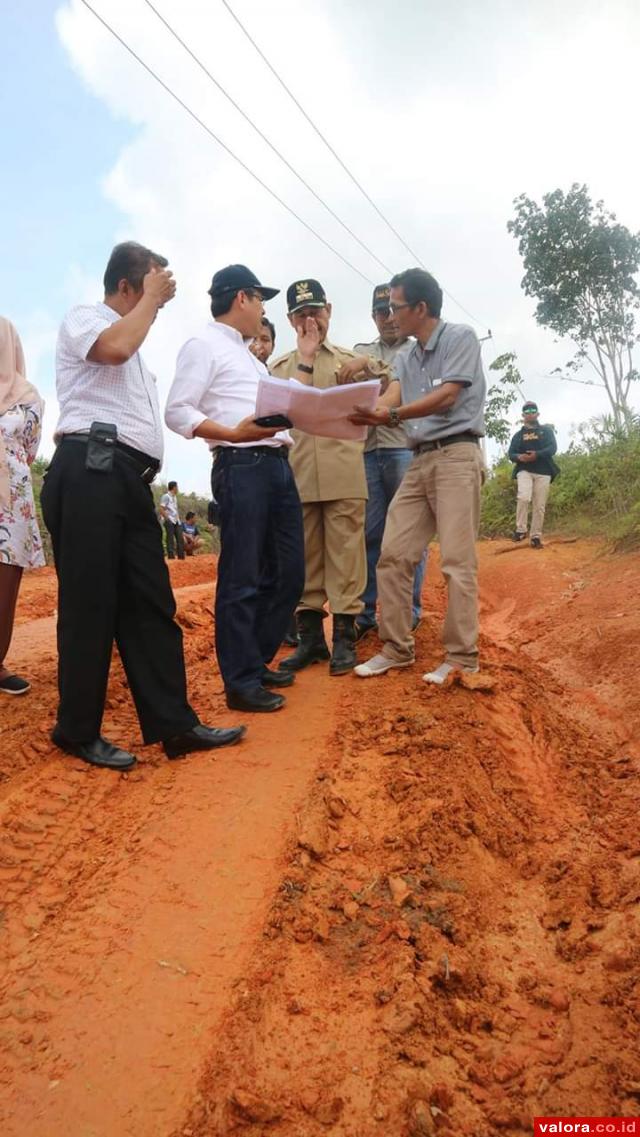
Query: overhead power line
(265, 139)
(224, 146)
(337, 157)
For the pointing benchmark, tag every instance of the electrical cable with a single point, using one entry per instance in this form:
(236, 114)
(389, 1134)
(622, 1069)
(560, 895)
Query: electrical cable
(339, 160)
(224, 146)
(264, 137)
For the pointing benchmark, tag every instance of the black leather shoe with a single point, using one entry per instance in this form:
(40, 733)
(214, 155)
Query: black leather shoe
(256, 699)
(202, 738)
(97, 753)
(277, 678)
(14, 685)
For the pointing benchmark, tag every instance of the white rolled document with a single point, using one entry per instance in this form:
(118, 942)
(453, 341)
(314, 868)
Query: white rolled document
(322, 412)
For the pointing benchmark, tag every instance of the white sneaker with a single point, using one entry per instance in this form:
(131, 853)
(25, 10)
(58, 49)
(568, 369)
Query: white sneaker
(440, 674)
(378, 665)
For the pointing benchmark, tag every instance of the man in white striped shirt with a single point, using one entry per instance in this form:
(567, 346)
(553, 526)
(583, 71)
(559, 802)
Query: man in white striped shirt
(97, 505)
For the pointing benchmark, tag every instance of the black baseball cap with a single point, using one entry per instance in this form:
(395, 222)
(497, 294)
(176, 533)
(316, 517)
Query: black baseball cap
(530, 408)
(236, 278)
(381, 297)
(305, 294)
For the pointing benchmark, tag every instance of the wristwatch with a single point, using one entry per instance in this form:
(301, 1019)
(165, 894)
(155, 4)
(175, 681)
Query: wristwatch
(394, 417)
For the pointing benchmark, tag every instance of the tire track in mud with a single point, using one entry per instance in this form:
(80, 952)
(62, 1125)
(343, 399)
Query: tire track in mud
(454, 947)
(130, 902)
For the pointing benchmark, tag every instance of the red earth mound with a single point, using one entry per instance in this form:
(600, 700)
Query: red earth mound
(393, 909)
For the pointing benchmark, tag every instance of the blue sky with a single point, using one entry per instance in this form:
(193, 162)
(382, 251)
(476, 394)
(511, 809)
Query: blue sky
(59, 142)
(444, 113)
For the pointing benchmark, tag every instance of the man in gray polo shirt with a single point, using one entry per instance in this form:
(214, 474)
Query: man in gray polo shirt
(439, 399)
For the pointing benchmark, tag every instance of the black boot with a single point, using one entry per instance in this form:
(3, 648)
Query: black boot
(312, 647)
(343, 656)
(291, 636)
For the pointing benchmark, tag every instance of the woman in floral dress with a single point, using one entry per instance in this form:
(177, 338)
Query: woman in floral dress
(20, 544)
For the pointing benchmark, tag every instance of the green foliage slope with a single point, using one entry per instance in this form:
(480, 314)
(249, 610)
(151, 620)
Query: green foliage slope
(597, 493)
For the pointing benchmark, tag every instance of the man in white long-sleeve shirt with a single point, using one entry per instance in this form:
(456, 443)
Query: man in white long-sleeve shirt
(261, 565)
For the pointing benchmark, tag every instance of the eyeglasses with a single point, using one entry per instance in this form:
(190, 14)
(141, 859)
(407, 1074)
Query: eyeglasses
(253, 294)
(397, 307)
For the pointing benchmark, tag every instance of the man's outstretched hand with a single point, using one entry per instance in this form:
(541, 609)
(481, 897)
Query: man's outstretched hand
(361, 416)
(353, 369)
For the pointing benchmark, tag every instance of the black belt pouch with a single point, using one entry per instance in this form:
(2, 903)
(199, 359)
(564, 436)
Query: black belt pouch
(101, 447)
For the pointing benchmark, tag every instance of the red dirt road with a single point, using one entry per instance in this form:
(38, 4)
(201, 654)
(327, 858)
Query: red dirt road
(392, 909)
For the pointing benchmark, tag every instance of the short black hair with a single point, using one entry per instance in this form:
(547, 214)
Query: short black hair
(172, 485)
(267, 324)
(221, 304)
(189, 514)
(131, 262)
(419, 285)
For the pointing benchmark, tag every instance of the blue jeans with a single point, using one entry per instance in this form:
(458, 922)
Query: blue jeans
(385, 470)
(261, 564)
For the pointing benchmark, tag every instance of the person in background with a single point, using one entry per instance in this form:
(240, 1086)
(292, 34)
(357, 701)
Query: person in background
(261, 563)
(386, 460)
(113, 581)
(330, 476)
(170, 515)
(264, 343)
(191, 534)
(439, 395)
(531, 450)
(20, 545)
(262, 347)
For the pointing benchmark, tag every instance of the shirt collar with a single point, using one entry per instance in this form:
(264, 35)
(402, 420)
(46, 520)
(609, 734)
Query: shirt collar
(433, 340)
(328, 346)
(229, 332)
(108, 312)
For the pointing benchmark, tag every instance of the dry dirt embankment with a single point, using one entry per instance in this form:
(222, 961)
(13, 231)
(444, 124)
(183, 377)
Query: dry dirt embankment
(393, 910)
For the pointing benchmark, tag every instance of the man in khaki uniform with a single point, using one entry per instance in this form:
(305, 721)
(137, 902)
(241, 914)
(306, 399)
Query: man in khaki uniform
(332, 485)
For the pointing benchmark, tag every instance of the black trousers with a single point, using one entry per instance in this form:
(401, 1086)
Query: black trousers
(175, 539)
(113, 584)
(261, 564)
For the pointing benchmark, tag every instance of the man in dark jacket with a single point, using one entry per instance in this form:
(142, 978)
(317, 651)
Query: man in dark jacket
(532, 449)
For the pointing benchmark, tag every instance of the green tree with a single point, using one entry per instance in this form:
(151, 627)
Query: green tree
(581, 266)
(501, 396)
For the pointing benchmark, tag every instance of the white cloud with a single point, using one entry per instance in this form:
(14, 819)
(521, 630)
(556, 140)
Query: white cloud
(444, 115)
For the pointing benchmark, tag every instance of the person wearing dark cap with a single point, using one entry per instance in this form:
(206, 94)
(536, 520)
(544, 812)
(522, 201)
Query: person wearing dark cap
(386, 459)
(113, 582)
(213, 397)
(331, 480)
(531, 450)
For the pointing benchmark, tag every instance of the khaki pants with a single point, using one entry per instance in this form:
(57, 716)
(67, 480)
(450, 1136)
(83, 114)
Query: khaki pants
(335, 555)
(532, 488)
(440, 494)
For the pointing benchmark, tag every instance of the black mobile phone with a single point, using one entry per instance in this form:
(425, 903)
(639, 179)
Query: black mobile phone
(273, 420)
(101, 446)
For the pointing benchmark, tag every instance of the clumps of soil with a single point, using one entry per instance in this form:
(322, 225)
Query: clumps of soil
(453, 945)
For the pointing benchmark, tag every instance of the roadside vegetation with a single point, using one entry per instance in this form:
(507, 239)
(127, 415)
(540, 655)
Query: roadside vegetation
(596, 494)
